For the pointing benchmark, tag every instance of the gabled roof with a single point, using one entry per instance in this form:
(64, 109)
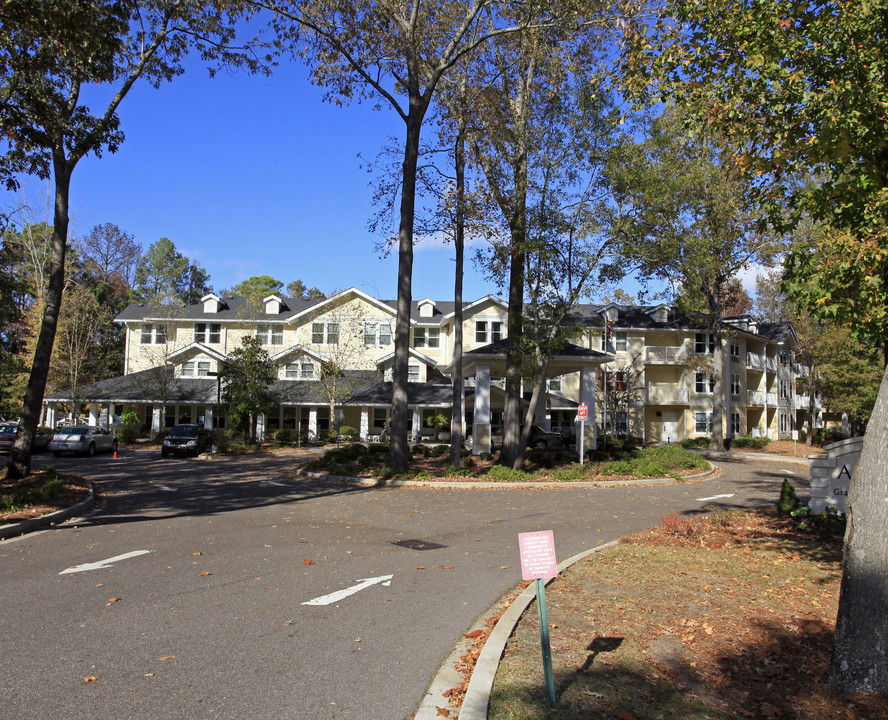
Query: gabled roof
(296, 350)
(148, 386)
(413, 353)
(199, 347)
(319, 304)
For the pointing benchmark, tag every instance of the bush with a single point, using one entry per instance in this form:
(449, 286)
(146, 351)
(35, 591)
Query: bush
(127, 432)
(348, 432)
(484, 457)
(468, 462)
(695, 442)
(439, 451)
(747, 441)
(506, 474)
(283, 436)
(159, 436)
(788, 501)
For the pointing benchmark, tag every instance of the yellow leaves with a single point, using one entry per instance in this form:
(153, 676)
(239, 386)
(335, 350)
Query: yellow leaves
(204, 573)
(91, 678)
(167, 657)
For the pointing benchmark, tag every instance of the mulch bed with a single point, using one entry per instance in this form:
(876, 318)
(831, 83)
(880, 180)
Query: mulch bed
(74, 490)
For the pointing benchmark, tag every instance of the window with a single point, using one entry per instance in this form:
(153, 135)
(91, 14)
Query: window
(703, 423)
(622, 422)
(704, 343)
(413, 373)
(735, 348)
(153, 335)
(619, 342)
(555, 384)
(208, 333)
(427, 337)
(704, 383)
(325, 333)
(784, 390)
(735, 383)
(270, 334)
(301, 370)
(377, 333)
(488, 331)
(196, 368)
(784, 422)
(735, 424)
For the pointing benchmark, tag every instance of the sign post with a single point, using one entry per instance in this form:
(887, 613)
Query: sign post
(582, 416)
(538, 563)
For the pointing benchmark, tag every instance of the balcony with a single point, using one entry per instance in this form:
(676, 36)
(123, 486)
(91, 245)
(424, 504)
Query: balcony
(803, 401)
(771, 398)
(756, 397)
(758, 432)
(665, 395)
(771, 364)
(665, 354)
(755, 361)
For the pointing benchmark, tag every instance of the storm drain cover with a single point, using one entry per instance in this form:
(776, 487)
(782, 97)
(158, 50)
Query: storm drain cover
(418, 545)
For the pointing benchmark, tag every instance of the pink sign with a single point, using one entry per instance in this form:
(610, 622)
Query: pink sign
(537, 555)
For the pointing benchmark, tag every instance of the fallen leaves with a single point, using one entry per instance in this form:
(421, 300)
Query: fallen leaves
(204, 573)
(91, 678)
(308, 562)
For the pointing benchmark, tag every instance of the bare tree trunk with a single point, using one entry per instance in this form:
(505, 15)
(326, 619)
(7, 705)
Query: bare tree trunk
(19, 464)
(860, 653)
(398, 450)
(458, 411)
(513, 452)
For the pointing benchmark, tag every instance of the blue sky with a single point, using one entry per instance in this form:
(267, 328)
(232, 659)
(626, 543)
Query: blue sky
(252, 176)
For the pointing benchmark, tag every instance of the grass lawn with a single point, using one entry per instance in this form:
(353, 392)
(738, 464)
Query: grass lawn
(727, 616)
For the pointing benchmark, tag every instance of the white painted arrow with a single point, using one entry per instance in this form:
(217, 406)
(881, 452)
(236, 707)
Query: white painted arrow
(102, 564)
(167, 488)
(716, 497)
(342, 594)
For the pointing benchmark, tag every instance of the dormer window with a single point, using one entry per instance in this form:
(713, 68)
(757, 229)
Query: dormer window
(273, 305)
(300, 370)
(272, 334)
(195, 368)
(426, 308)
(208, 333)
(612, 314)
(212, 303)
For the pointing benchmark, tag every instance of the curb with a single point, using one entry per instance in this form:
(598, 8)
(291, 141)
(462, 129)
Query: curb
(488, 485)
(802, 460)
(26, 526)
(477, 699)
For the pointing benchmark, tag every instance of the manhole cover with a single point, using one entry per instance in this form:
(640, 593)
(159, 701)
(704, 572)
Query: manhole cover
(418, 544)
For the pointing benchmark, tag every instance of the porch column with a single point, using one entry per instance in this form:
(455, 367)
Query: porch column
(364, 430)
(156, 420)
(417, 423)
(481, 416)
(587, 397)
(93, 414)
(51, 414)
(260, 427)
(112, 411)
(313, 422)
(208, 417)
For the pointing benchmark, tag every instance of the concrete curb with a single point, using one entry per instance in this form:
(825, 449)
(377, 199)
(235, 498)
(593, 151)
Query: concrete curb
(753, 456)
(487, 485)
(477, 699)
(26, 526)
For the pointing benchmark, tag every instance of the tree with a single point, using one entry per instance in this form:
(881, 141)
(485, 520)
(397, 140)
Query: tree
(257, 287)
(800, 89)
(398, 54)
(297, 289)
(689, 218)
(246, 379)
(620, 388)
(164, 275)
(51, 53)
(110, 254)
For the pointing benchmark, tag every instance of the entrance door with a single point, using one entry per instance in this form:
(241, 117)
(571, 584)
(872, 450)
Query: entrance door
(669, 433)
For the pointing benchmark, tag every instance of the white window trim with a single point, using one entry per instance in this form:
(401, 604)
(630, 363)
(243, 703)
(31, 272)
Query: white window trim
(265, 332)
(299, 374)
(377, 325)
(425, 340)
(326, 332)
(206, 337)
(153, 334)
(708, 382)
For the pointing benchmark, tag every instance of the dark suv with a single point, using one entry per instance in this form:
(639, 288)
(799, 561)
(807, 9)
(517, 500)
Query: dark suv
(184, 440)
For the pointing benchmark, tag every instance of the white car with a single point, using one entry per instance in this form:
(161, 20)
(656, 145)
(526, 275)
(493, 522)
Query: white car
(82, 439)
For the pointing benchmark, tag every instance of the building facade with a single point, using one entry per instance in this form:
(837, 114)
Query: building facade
(644, 371)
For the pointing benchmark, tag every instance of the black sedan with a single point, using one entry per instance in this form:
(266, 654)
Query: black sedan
(184, 440)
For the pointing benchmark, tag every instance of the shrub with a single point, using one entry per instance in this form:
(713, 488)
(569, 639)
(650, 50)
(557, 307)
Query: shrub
(747, 441)
(127, 432)
(282, 436)
(506, 474)
(469, 462)
(788, 501)
(159, 436)
(439, 451)
(377, 449)
(484, 457)
(51, 488)
(675, 525)
(348, 432)
(695, 442)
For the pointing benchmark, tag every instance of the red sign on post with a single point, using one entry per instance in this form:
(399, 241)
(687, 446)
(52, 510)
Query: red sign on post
(583, 413)
(537, 555)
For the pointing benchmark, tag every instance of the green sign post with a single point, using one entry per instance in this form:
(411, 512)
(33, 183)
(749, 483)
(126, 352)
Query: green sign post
(538, 563)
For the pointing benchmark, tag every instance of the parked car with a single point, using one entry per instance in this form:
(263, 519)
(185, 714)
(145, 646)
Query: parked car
(184, 440)
(82, 439)
(9, 430)
(539, 438)
(7, 435)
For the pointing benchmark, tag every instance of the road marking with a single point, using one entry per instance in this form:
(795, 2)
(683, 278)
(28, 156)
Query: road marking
(716, 497)
(789, 472)
(272, 482)
(102, 564)
(167, 488)
(386, 580)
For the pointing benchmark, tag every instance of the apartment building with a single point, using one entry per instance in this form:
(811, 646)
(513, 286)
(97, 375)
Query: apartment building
(656, 365)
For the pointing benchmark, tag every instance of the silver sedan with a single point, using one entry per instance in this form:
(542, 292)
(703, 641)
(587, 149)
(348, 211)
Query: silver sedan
(82, 439)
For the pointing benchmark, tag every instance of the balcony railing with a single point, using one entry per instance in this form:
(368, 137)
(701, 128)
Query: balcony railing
(755, 361)
(665, 395)
(665, 354)
(756, 397)
(771, 398)
(757, 432)
(771, 364)
(803, 401)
